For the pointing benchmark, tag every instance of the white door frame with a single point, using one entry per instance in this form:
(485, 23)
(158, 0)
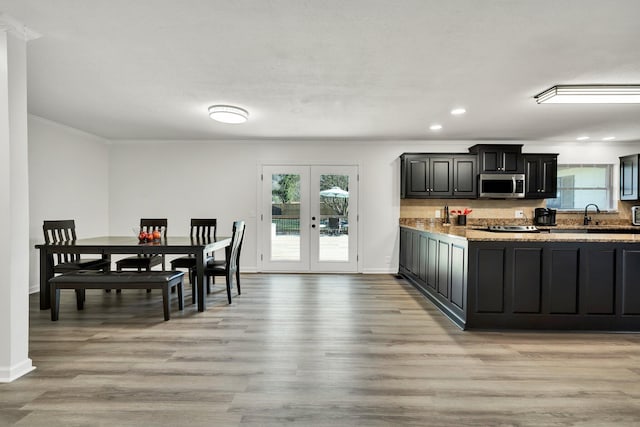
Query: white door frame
(264, 223)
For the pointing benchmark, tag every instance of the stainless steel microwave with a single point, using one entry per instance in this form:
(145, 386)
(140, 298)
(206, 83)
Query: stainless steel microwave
(501, 186)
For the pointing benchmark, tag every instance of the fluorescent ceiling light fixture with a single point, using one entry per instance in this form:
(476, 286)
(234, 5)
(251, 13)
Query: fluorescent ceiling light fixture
(590, 94)
(582, 138)
(608, 138)
(458, 111)
(435, 126)
(228, 114)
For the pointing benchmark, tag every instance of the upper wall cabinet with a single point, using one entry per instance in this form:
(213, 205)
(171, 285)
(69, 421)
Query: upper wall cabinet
(425, 175)
(629, 177)
(541, 176)
(499, 158)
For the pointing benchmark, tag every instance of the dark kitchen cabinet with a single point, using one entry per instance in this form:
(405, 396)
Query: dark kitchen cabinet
(520, 284)
(499, 158)
(436, 264)
(541, 176)
(425, 175)
(629, 177)
(465, 172)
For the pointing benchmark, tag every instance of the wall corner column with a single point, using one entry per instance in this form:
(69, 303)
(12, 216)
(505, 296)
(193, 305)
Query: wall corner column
(14, 201)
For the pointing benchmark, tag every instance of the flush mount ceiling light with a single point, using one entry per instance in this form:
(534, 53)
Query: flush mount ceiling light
(435, 126)
(582, 138)
(228, 114)
(458, 111)
(608, 138)
(590, 94)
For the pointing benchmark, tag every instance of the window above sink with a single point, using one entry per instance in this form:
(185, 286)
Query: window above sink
(581, 184)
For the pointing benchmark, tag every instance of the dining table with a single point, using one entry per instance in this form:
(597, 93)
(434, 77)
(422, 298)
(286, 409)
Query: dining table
(106, 246)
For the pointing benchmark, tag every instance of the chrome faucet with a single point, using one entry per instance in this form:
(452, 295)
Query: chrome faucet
(587, 219)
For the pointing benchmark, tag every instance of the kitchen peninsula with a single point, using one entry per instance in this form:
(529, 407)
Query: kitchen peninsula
(569, 280)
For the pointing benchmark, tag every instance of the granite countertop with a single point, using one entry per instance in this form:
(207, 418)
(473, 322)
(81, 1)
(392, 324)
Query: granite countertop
(477, 234)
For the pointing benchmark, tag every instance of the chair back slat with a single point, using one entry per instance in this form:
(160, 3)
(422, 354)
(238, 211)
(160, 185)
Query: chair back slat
(204, 229)
(60, 231)
(154, 224)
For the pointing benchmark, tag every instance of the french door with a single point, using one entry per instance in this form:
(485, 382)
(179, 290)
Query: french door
(309, 218)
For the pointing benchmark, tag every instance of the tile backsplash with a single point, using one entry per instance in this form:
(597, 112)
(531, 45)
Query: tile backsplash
(490, 212)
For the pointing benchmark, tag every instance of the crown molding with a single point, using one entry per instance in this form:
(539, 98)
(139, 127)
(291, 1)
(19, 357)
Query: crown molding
(11, 25)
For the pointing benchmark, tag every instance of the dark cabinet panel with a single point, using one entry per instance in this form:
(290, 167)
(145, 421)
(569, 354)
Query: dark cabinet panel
(458, 275)
(541, 175)
(599, 281)
(443, 268)
(424, 256)
(499, 158)
(631, 282)
(465, 177)
(432, 263)
(441, 177)
(490, 281)
(527, 280)
(415, 254)
(415, 175)
(563, 283)
(511, 162)
(629, 177)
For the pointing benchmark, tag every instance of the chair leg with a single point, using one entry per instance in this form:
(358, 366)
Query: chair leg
(80, 295)
(148, 269)
(165, 303)
(55, 303)
(119, 291)
(180, 295)
(192, 280)
(229, 276)
(238, 281)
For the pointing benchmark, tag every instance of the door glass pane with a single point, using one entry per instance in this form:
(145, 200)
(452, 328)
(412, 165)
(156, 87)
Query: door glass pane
(334, 218)
(285, 217)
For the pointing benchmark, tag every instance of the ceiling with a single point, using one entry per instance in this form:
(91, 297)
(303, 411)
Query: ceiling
(330, 69)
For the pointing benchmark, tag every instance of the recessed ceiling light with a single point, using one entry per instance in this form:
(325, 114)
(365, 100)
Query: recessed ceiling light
(608, 138)
(228, 114)
(435, 126)
(582, 138)
(458, 111)
(590, 94)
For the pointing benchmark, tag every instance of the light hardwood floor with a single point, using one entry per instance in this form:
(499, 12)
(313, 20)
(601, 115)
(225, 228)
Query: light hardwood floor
(312, 350)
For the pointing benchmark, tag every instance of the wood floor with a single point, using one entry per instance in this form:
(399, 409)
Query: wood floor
(311, 350)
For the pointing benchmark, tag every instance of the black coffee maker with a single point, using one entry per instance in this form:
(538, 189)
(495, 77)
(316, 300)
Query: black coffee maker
(544, 216)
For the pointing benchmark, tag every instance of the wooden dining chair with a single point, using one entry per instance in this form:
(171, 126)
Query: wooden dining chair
(64, 231)
(230, 267)
(202, 229)
(146, 261)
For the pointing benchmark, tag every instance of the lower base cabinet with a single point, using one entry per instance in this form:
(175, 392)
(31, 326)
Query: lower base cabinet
(526, 284)
(437, 267)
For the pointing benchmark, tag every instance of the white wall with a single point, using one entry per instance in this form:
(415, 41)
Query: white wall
(183, 179)
(68, 179)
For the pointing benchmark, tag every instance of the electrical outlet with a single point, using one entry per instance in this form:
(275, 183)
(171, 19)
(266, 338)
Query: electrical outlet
(437, 213)
(519, 214)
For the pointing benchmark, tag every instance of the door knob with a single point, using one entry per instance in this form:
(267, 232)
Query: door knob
(313, 226)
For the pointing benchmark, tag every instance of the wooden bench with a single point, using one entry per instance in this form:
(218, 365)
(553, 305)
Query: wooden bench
(86, 279)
